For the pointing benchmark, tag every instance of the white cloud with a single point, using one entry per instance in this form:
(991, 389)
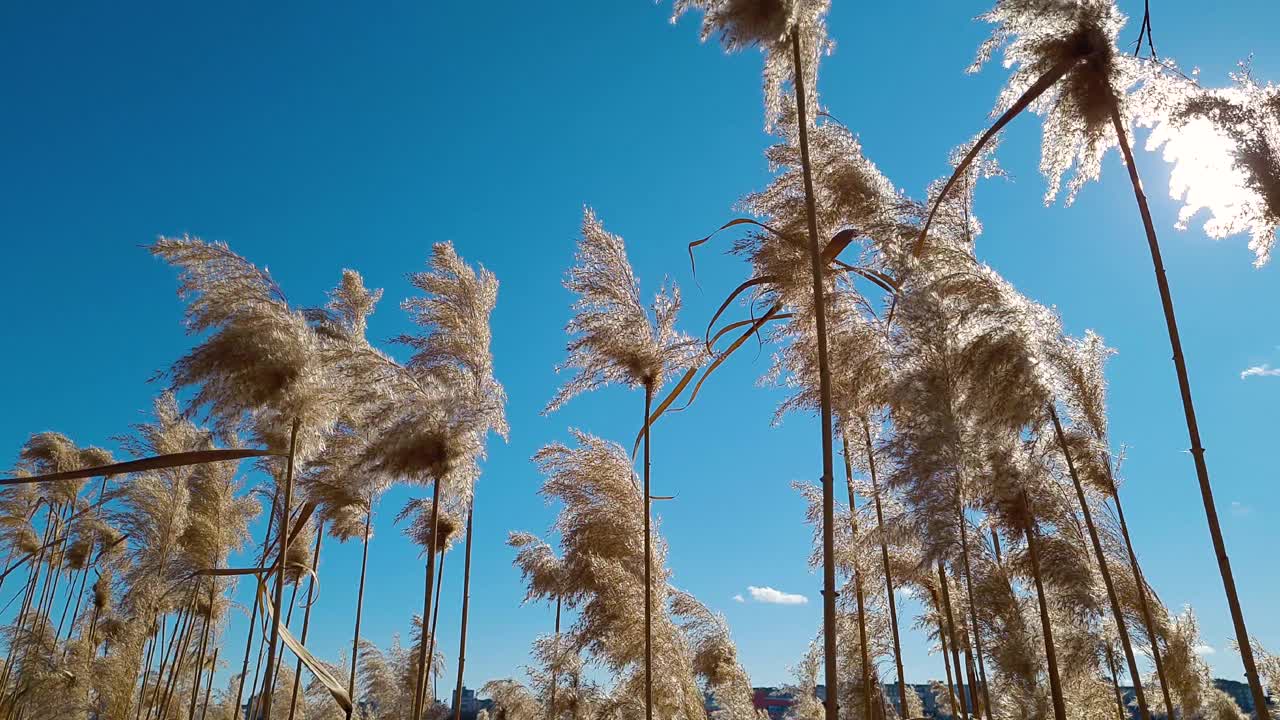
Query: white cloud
(738, 598)
(1263, 370)
(775, 597)
(1205, 650)
(1239, 509)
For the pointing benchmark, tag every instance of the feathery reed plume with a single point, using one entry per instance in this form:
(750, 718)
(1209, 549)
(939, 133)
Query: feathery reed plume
(1189, 676)
(1269, 665)
(381, 679)
(613, 340)
(1079, 364)
(604, 579)
(260, 369)
(156, 513)
(512, 700)
(338, 479)
(437, 432)
(542, 570)
(51, 452)
(771, 26)
(1074, 43)
(544, 577)
(262, 359)
(1023, 357)
(1066, 66)
(579, 697)
(418, 512)
(774, 25)
(715, 658)
(18, 506)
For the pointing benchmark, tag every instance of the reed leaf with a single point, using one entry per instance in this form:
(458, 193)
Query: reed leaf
(159, 462)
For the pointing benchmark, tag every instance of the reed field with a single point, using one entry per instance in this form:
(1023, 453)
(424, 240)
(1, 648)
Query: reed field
(963, 455)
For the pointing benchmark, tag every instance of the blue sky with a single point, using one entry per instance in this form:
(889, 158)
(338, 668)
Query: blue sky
(318, 136)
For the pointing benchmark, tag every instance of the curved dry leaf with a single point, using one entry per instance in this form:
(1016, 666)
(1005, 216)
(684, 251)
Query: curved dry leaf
(159, 462)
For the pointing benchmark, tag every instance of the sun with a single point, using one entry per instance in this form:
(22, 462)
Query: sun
(1204, 175)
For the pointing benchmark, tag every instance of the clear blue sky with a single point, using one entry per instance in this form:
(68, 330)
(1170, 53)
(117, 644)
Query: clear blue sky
(317, 136)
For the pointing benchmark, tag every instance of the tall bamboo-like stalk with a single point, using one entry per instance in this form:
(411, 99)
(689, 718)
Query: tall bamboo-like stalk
(420, 688)
(255, 692)
(615, 340)
(199, 668)
(1144, 603)
(41, 455)
(260, 368)
(181, 621)
(175, 673)
(973, 611)
(156, 635)
(33, 581)
(888, 571)
(648, 561)
(355, 636)
(971, 674)
(57, 563)
(441, 538)
(1243, 117)
(1243, 642)
(440, 428)
(551, 702)
(1115, 684)
(277, 602)
(208, 685)
(784, 31)
(1073, 47)
(942, 637)
(306, 617)
(864, 651)
(857, 585)
(180, 624)
(1116, 612)
(253, 614)
(466, 606)
(66, 606)
(435, 622)
(1050, 650)
(955, 641)
(343, 479)
(1082, 366)
(601, 540)
(824, 390)
(982, 681)
(179, 629)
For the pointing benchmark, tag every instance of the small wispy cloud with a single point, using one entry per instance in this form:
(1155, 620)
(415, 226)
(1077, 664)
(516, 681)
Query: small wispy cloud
(1205, 650)
(739, 598)
(1263, 370)
(775, 597)
(1240, 509)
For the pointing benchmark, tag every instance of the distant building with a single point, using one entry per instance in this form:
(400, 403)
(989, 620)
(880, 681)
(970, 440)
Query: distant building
(777, 701)
(472, 705)
(774, 701)
(1237, 690)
